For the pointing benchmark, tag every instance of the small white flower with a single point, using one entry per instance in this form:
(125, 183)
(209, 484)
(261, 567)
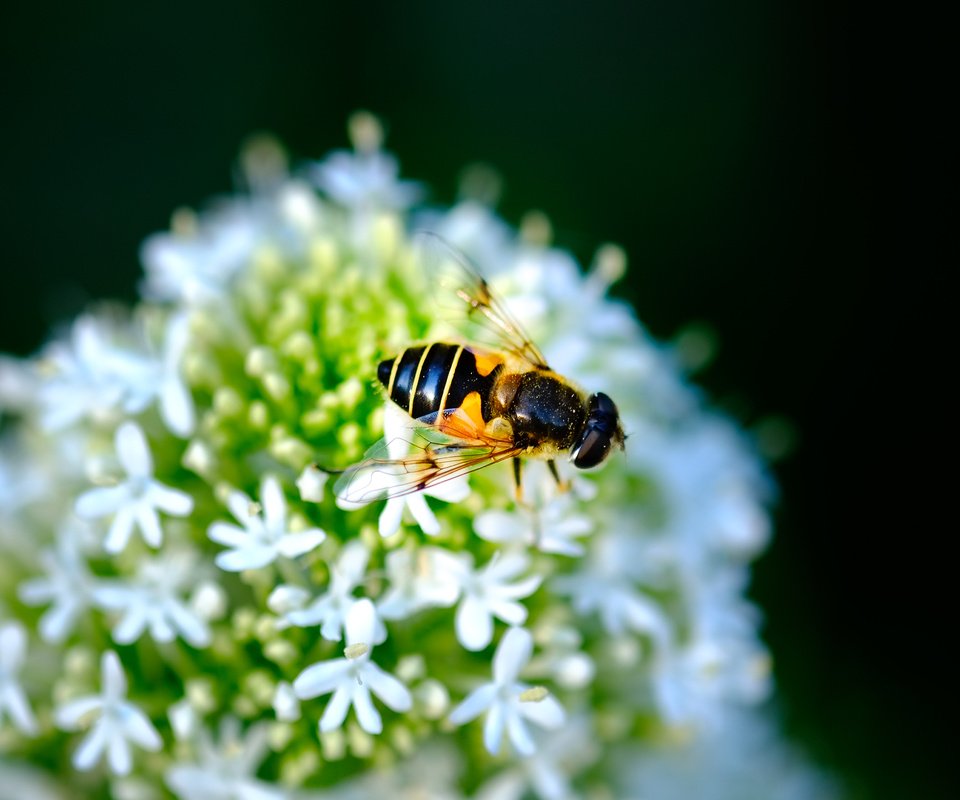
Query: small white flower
(746, 757)
(421, 578)
(696, 684)
(286, 705)
(365, 181)
(91, 375)
(118, 722)
(560, 755)
(67, 586)
(396, 434)
(225, 771)
(431, 772)
(352, 679)
(551, 527)
(561, 658)
(176, 403)
(198, 268)
(285, 598)
(452, 491)
(330, 609)
(13, 701)
(183, 719)
(310, 484)
(705, 458)
(153, 601)
(509, 702)
(488, 593)
(109, 366)
(136, 500)
(606, 584)
(263, 537)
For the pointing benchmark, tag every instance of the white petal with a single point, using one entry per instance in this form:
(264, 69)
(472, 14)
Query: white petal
(478, 701)
(336, 710)
(391, 517)
(172, 501)
(285, 598)
(140, 730)
(320, 610)
(510, 612)
(118, 754)
(321, 678)
(13, 644)
(274, 504)
(34, 592)
(512, 655)
(15, 702)
(227, 534)
(367, 715)
(385, 686)
(113, 680)
(519, 735)
(296, 544)
(149, 524)
(112, 595)
(493, 729)
(193, 629)
(91, 748)
(101, 501)
(500, 526)
(396, 431)
(474, 624)
(286, 705)
(361, 622)
(120, 529)
(422, 513)
(69, 715)
(332, 628)
(131, 625)
(547, 713)
(241, 507)
(502, 567)
(58, 621)
(559, 546)
(247, 558)
(310, 484)
(352, 563)
(133, 451)
(522, 588)
(450, 491)
(161, 628)
(176, 407)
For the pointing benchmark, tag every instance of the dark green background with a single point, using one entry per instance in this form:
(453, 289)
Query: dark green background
(747, 155)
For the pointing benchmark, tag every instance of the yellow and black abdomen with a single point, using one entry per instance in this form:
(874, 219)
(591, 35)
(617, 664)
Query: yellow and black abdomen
(430, 378)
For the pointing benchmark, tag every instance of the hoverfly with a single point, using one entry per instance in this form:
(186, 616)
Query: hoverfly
(471, 406)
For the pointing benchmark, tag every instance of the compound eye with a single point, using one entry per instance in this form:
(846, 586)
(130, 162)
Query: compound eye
(602, 406)
(593, 448)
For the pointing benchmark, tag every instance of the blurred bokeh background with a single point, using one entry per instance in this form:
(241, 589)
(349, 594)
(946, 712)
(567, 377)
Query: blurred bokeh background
(746, 155)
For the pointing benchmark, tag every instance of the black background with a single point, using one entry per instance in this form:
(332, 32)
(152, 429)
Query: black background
(765, 165)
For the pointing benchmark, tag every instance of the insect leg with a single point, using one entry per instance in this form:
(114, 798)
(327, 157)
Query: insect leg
(517, 485)
(562, 485)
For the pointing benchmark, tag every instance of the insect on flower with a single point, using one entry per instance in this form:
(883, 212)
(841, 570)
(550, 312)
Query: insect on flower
(472, 404)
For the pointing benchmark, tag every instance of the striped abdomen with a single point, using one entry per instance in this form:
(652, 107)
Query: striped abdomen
(430, 378)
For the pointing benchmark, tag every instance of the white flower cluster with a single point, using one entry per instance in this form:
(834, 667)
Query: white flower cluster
(172, 562)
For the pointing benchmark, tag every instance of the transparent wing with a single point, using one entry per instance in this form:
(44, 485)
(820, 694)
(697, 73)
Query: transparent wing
(436, 453)
(464, 298)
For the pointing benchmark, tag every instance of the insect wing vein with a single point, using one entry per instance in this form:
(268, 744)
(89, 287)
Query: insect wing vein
(465, 298)
(434, 457)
